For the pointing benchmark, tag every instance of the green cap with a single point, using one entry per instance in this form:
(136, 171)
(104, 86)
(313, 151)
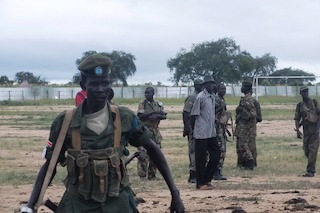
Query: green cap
(198, 82)
(95, 66)
(303, 88)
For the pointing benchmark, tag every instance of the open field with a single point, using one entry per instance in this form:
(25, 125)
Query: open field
(269, 188)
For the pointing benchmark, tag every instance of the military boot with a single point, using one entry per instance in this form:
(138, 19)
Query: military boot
(192, 177)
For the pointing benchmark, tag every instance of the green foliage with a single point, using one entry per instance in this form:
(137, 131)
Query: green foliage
(223, 58)
(122, 67)
(289, 81)
(29, 77)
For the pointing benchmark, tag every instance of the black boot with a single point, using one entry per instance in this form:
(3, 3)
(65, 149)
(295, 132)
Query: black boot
(192, 177)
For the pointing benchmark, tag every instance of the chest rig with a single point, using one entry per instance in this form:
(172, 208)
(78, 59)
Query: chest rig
(96, 174)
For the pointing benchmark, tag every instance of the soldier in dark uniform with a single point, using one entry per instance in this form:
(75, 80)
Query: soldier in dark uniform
(246, 127)
(187, 129)
(150, 112)
(307, 115)
(94, 145)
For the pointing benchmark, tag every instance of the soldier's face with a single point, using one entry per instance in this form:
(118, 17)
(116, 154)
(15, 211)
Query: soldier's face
(148, 94)
(98, 89)
(222, 91)
(198, 87)
(304, 93)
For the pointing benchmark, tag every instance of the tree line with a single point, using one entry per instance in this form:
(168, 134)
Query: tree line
(223, 58)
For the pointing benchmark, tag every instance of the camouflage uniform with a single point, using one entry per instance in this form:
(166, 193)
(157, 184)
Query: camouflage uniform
(188, 103)
(308, 114)
(245, 132)
(144, 164)
(83, 193)
(221, 126)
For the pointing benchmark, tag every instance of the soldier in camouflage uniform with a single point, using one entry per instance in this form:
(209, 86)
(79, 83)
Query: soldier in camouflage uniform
(150, 112)
(221, 126)
(246, 119)
(307, 115)
(93, 149)
(187, 130)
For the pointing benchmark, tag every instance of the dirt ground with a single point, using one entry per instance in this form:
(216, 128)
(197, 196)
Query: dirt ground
(217, 200)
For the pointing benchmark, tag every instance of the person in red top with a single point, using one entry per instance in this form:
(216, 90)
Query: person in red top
(81, 95)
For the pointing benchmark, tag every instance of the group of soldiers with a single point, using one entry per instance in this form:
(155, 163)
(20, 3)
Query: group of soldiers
(91, 141)
(248, 113)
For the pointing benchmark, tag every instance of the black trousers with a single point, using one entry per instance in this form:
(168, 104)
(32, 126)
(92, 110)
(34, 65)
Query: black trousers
(207, 154)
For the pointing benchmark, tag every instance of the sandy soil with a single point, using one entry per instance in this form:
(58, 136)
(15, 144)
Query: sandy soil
(217, 200)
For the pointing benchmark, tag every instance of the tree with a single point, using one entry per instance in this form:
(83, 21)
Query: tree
(122, 66)
(29, 77)
(4, 80)
(218, 57)
(223, 58)
(289, 81)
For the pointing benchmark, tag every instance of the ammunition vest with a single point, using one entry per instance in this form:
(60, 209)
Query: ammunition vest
(97, 174)
(311, 112)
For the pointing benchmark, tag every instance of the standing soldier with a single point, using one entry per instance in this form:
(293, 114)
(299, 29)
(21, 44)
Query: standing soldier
(150, 113)
(90, 140)
(221, 126)
(307, 115)
(246, 128)
(187, 130)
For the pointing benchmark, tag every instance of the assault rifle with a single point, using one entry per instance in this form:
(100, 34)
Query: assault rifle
(131, 157)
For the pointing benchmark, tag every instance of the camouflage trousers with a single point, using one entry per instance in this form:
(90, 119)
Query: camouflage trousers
(192, 156)
(145, 166)
(246, 142)
(221, 139)
(310, 147)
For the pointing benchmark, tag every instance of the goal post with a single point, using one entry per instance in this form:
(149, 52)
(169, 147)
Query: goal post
(255, 81)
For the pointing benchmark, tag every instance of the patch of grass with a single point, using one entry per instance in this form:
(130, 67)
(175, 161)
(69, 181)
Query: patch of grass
(17, 177)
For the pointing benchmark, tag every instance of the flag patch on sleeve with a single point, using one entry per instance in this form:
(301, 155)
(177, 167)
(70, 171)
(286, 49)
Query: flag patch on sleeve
(49, 144)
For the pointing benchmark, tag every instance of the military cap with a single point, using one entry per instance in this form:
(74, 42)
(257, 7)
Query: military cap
(197, 82)
(208, 78)
(302, 88)
(247, 84)
(95, 66)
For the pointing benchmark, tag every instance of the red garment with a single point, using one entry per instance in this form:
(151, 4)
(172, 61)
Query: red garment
(80, 96)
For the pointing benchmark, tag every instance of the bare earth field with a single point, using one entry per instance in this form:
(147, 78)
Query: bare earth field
(221, 199)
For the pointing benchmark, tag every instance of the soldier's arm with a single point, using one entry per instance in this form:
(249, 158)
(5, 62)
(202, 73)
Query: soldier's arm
(159, 160)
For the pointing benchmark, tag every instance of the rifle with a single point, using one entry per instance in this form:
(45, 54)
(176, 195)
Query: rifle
(131, 157)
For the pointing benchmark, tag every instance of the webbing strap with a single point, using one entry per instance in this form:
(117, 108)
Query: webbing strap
(76, 139)
(117, 124)
(56, 152)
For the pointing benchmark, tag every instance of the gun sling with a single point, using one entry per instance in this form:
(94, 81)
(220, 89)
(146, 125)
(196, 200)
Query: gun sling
(55, 155)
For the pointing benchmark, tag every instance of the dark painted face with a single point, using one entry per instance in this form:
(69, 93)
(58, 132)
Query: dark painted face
(98, 90)
(148, 93)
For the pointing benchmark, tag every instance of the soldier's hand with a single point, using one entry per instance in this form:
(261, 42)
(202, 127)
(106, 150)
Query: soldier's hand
(299, 134)
(186, 131)
(176, 203)
(26, 209)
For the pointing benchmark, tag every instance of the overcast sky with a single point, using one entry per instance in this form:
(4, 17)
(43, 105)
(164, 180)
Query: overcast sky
(46, 37)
